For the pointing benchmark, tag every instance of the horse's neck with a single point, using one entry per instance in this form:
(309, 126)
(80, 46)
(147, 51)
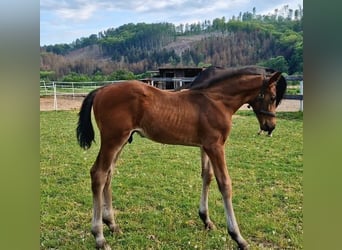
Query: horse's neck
(233, 97)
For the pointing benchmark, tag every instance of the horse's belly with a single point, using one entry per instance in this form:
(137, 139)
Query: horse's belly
(171, 132)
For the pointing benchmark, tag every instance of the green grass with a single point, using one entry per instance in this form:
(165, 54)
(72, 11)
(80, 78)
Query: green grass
(156, 189)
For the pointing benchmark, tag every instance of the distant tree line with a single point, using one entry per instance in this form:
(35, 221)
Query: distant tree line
(275, 39)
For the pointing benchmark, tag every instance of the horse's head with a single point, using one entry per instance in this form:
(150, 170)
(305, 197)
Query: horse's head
(264, 105)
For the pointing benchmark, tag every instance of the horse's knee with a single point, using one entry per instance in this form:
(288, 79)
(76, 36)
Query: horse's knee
(225, 187)
(207, 177)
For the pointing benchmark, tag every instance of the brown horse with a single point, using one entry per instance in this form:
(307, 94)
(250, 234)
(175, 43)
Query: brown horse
(201, 116)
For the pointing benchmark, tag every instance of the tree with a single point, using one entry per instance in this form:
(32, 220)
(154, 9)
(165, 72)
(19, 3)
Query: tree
(278, 63)
(47, 75)
(121, 74)
(245, 39)
(98, 76)
(74, 77)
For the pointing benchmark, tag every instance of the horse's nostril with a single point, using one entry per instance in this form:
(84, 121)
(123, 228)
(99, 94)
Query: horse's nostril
(268, 127)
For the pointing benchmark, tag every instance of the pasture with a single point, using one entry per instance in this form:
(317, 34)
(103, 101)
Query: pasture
(156, 189)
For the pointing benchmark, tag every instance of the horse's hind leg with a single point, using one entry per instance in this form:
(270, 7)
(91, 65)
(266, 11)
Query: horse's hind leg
(100, 183)
(98, 179)
(108, 212)
(207, 176)
(217, 158)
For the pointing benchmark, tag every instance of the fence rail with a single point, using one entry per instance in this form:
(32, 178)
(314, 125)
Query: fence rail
(77, 89)
(70, 88)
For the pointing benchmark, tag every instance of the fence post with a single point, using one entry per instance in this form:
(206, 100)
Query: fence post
(54, 96)
(73, 91)
(45, 88)
(301, 107)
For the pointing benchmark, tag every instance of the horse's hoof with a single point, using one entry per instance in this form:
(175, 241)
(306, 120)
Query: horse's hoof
(243, 246)
(101, 243)
(116, 229)
(107, 247)
(210, 226)
(103, 246)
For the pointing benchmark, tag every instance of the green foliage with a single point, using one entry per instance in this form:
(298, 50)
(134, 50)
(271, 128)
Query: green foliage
(293, 91)
(133, 41)
(47, 75)
(156, 189)
(247, 39)
(279, 63)
(98, 76)
(74, 77)
(290, 38)
(203, 65)
(59, 49)
(296, 59)
(121, 75)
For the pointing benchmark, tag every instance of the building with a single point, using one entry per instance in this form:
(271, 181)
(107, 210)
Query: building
(172, 78)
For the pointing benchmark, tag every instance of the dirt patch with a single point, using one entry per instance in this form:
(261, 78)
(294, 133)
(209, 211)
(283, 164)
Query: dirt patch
(63, 103)
(74, 103)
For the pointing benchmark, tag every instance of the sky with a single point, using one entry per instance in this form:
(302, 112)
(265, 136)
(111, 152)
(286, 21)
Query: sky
(63, 21)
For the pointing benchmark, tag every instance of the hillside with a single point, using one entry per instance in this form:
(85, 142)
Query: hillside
(94, 52)
(271, 40)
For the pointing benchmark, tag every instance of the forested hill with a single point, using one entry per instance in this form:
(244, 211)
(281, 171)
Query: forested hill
(274, 40)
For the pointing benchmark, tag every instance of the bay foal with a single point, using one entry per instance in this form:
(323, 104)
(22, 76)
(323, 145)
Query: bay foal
(201, 116)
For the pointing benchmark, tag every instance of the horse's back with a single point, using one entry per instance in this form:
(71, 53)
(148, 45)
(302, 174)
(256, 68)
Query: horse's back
(122, 89)
(121, 93)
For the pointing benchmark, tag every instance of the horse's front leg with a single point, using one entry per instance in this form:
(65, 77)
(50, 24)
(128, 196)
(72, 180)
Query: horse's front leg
(217, 158)
(207, 176)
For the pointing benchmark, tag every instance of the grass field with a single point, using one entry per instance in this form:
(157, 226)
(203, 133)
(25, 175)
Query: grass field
(156, 189)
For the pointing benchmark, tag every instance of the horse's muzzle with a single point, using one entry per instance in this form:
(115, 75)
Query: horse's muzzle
(267, 127)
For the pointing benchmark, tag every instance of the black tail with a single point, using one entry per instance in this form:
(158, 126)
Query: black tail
(85, 131)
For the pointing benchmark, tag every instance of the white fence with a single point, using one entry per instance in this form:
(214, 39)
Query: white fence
(68, 89)
(79, 89)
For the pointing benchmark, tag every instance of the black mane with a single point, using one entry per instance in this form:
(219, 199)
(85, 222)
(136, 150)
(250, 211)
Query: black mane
(213, 75)
(281, 89)
(206, 74)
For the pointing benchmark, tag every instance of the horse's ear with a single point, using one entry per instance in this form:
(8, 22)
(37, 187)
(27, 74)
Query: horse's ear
(274, 77)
